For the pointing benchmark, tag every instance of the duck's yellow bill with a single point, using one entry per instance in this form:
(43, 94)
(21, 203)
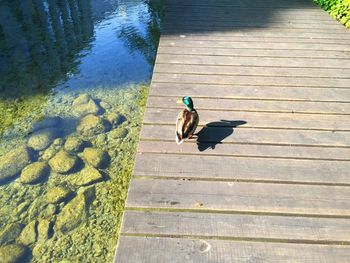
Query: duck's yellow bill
(179, 101)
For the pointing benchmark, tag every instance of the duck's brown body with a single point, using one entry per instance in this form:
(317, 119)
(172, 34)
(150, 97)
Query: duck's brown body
(186, 124)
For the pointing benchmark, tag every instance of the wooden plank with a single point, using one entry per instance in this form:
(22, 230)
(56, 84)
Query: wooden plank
(172, 42)
(190, 22)
(254, 31)
(236, 169)
(244, 150)
(240, 196)
(284, 228)
(252, 136)
(255, 119)
(261, 19)
(250, 92)
(266, 33)
(253, 61)
(254, 105)
(203, 51)
(233, 11)
(304, 5)
(179, 250)
(251, 80)
(253, 52)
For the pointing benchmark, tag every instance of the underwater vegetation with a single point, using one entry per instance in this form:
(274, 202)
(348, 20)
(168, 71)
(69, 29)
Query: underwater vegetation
(63, 188)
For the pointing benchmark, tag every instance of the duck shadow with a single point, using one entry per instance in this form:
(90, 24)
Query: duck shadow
(214, 133)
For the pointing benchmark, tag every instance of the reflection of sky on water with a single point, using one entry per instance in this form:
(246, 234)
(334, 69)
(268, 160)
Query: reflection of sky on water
(110, 61)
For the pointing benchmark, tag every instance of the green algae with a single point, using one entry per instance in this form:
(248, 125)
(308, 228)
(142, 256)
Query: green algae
(98, 230)
(14, 111)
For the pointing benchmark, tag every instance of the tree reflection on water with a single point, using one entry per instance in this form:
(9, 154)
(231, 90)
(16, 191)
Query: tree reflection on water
(145, 42)
(39, 41)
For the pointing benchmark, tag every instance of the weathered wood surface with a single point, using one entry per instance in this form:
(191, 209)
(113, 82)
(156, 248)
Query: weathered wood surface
(179, 250)
(267, 177)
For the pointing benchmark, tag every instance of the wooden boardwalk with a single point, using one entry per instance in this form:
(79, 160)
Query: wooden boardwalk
(269, 178)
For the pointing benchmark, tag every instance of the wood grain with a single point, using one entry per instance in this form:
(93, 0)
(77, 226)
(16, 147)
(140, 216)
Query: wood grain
(235, 169)
(250, 92)
(142, 249)
(286, 228)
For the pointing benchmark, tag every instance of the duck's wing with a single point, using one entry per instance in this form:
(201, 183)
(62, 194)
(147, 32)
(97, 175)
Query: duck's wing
(180, 122)
(193, 123)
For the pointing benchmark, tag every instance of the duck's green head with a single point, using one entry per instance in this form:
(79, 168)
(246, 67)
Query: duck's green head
(188, 102)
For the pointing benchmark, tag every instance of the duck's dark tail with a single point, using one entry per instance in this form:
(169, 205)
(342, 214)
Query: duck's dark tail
(178, 138)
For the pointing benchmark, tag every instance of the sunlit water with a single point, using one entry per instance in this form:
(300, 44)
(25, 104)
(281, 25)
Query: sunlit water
(74, 79)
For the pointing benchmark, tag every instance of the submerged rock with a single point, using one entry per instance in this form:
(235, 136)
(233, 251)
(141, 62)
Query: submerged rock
(92, 125)
(81, 99)
(74, 144)
(105, 105)
(47, 123)
(13, 253)
(76, 211)
(100, 140)
(48, 212)
(13, 162)
(58, 142)
(21, 208)
(49, 153)
(10, 233)
(44, 229)
(96, 157)
(39, 249)
(34, 173)
(63, 162)
(43, 138)
(118, 133)
(116, 118)
(29, 234)
(88, 175)
(58, 194)
(84, 105)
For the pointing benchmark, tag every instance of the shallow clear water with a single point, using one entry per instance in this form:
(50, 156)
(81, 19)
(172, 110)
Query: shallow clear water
(74, 80)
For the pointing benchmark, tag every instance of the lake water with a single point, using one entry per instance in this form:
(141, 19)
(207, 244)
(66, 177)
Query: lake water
(74, 82)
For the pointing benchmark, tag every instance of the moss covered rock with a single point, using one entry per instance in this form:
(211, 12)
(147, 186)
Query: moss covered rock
(105, 105)
(118, 133)
(86, 176)
(44, 229)
(49, 153)
(63, 162)
(43, 138)
(13, 253)
(58, 142)
(34, 173)
(29, 234)
(84, 105)
(116, 118)
(58, 194)
(92, 125)
(49, 211)
(81, 99)
(76, 211)
(10, 233)
(74, 144)
(13, 162)
(96, 157)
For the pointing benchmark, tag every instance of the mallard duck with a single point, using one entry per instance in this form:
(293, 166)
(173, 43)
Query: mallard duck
(187, 121)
